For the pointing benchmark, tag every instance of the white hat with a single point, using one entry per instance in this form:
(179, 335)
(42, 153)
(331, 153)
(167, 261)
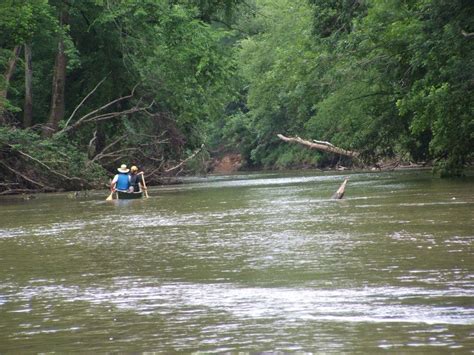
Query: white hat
(123, 169)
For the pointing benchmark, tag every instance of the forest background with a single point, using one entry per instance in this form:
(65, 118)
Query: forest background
(168, 84)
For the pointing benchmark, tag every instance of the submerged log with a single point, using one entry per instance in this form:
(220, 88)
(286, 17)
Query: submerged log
(340, 191)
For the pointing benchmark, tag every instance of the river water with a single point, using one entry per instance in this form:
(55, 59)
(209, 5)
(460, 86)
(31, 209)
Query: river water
(256, 262)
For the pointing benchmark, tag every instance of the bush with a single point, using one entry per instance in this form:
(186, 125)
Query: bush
(32, 163)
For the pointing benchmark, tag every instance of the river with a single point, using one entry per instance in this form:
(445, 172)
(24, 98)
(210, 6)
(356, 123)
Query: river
(250, 262)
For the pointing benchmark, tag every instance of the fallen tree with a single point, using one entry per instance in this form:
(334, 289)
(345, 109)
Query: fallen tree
(387, 164)
(30, 164)
(320, 145)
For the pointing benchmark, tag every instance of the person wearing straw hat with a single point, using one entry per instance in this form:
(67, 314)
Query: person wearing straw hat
(122, 180)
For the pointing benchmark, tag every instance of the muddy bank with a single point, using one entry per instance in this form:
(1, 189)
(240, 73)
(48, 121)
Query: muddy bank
(227, 163)
(232, 162)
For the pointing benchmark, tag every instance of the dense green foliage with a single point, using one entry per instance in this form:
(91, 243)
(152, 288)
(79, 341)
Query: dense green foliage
(142, 78)
(385, 78)
(148, 81)
(48, 165)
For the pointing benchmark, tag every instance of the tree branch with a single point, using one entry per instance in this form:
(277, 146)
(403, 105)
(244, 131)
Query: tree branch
(340, 191)
(109, 115)
(320, 145)
(156, 169)
(196, 152)
(45, 187)
(324, 143)
(46, 166)
(90, 116)
(82, 102)
(114, 154)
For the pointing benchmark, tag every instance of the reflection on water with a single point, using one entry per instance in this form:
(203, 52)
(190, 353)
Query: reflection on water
(256, 262)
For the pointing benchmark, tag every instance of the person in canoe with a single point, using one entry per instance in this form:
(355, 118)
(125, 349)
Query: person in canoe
(136, 180)
(122, 180)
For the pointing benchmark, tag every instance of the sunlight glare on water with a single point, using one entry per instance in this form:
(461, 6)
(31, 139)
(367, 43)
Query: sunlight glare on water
(255, 262)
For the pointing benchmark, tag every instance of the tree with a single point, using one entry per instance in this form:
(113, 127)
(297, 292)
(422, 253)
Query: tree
(439, 101)
(387, 79)
(59, 76)
(28, 106)
(20, 21)
(278, 66)
(11, 65)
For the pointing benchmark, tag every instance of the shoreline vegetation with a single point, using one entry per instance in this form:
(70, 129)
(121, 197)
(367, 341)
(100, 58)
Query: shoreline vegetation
(28, 175)
(183, 88)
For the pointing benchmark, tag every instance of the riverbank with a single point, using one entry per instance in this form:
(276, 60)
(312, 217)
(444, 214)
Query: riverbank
(31, 164)
(233, 162)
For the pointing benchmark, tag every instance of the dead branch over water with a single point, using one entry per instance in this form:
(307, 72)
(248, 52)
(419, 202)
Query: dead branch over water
(320, 145)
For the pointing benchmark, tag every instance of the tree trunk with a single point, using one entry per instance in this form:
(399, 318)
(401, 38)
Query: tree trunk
(8, 75)
(97, 143)
(28, 106)
(319, 145)
(101, 137)
(59, 83)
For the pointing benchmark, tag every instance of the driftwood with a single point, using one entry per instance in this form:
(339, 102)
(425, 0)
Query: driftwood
(340, 191)
(43, 186)
(320, 145)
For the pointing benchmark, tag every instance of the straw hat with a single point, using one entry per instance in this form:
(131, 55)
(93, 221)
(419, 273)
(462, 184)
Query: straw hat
(123, 169)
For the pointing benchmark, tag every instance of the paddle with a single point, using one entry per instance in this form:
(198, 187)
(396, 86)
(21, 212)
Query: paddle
(144, 184)
(111, 196)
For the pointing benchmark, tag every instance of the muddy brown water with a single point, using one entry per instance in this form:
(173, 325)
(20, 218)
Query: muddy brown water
(250, 262)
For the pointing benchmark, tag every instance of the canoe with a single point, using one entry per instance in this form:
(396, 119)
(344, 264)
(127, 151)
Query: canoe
(121, 195)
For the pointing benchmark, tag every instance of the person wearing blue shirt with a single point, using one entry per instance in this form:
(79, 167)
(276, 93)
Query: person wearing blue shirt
(121, 181)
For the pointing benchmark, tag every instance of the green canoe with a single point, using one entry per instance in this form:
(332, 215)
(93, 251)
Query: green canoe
(129, 195)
